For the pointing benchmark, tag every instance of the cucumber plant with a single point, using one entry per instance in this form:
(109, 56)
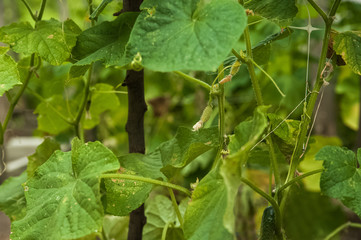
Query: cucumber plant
(250, 142)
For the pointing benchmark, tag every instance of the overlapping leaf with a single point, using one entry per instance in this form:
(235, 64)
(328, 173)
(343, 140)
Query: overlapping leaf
(341, 178)
(246, 135)
(180, 35)
(348, 44)
(105, 42)
(63, 197)
(9, 74)
(279, 11)
(42, 154)
(160, 212)
(51, 39)
(204, 215)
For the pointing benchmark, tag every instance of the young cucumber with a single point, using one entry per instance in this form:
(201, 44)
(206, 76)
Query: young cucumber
(268, 224)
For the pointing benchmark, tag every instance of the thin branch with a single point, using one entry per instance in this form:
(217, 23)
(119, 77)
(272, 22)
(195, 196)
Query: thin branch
(296, 179)
(29, 10)
(342, 227)
(319, 10)
(194, 80)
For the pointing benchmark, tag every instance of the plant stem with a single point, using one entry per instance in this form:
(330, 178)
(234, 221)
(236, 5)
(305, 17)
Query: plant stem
(319, 10)
(271, 201)
(175, 206)
(193, 80)
(274, 163)
(221, 123)
(76, 123)
(296, 179)
(165, 230)
(15, 100)
(147, 180)
(306, 117)
(41, 11)
(29, 10)
(265, 73)
(342, 227)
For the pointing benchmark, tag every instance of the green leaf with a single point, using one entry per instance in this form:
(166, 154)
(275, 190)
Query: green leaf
(341, 176)
(204, 215)
(246, 135)
(105, 42)
(63, 196)
(9, 74)
(185, 147)
(309, 163)
(102, 99)
(41, 155)
(261, 52)
(279, 11)
(48, 118)
(348, 45)
(51, 39)
(160, 212)
(186, 35)
(12, 198)
(123, 196)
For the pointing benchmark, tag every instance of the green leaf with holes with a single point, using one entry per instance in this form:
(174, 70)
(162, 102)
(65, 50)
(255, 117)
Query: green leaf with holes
(9, 74)
(160, 214)
(12, 198)
(42, 154)
(348, 45)
(204, 215)
(105, 42)
(102, 99)
(51, 39)
(63, 196)
(179, 35)
(279, 11)
(342, 177)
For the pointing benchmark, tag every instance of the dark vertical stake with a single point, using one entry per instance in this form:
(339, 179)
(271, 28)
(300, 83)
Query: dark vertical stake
(135, 125)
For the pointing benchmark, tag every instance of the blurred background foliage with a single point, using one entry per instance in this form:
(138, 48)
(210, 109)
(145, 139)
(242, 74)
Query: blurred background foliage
(174, 102)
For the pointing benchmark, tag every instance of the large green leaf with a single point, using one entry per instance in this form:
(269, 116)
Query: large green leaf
(48, 118)
(102, 99)
(246, 135)
(204, 215)
(115, 228)
(9, 74)
(341, 178)
(51, 39)
(63, 196)
(185, 147)
(42, 154)
(186, 34)
(348, 44)
(280, 11)
(12, 198)
(160, 212)
(105, 41)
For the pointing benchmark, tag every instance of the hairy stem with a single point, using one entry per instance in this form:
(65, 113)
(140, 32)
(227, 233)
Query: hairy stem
(193, 80)
(319, 10)
(340, 228)
(147, 180)
(271, 201)
(175, 206)
(29, 10)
